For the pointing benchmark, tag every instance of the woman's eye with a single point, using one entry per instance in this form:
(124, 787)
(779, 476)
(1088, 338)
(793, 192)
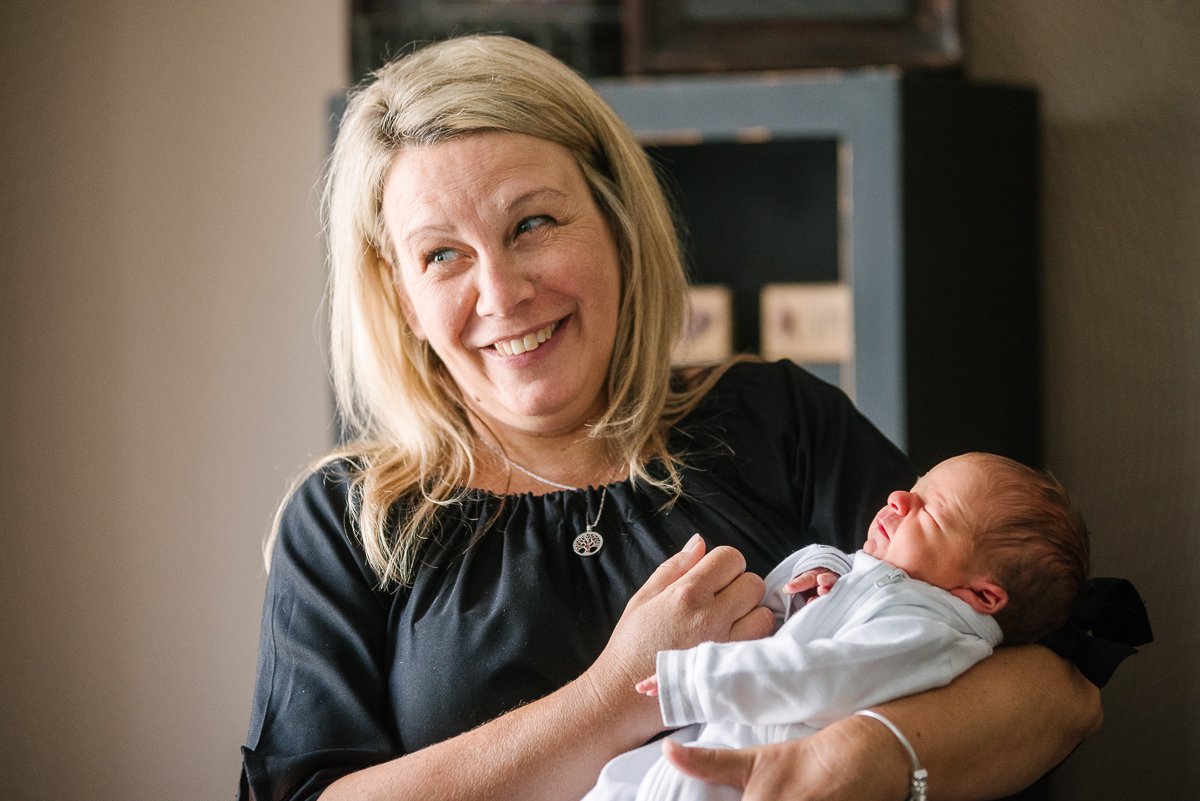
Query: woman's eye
(440, 256)
(531, 223)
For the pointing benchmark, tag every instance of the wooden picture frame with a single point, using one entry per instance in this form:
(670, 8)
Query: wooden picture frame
(809, 323)
(583, 33)
(707, 334)
(664, 36)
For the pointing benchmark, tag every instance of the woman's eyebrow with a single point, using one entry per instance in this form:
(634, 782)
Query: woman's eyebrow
(413, 237)
(439, 229)
(538, 193)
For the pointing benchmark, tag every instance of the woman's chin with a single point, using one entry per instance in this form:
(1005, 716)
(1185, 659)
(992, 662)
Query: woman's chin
(545, 419)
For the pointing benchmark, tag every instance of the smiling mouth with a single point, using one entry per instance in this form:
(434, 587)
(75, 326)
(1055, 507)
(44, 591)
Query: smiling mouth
(531, 341)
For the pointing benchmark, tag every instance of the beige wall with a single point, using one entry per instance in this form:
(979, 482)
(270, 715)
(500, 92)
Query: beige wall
(1120, 87)
(160, 271)
(161, 374)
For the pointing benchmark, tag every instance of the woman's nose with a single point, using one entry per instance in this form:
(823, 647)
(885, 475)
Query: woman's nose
(503, 285)
(901, 502)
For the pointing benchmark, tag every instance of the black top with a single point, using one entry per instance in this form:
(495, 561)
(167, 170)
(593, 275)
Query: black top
(350, 676)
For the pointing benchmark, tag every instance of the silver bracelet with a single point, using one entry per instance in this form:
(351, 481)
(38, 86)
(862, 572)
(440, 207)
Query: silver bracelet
(918, 785)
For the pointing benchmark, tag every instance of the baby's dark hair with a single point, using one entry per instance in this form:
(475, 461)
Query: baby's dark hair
(1033, 540)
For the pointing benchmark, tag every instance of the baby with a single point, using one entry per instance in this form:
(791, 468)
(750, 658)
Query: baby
(981, 549)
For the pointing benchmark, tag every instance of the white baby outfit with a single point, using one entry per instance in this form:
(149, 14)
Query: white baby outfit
(876, 636)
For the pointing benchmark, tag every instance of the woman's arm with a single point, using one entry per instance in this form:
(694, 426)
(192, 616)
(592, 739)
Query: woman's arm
(1005, 724)
(994, 730)
(552, 748)
(555, 747)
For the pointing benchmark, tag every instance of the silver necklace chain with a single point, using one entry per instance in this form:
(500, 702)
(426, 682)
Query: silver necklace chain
(534, 475)
(589, 541)
(592, 525)
(525, 470)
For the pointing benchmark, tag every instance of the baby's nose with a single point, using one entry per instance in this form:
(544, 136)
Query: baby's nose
(900, 502)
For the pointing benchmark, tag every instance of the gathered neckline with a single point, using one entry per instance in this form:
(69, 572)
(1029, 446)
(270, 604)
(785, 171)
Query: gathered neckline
(478, 493)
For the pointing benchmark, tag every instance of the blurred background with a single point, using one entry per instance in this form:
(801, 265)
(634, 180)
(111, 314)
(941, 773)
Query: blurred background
(162, 375)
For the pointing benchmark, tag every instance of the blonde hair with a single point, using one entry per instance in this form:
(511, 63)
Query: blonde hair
(1032, 538)
(410, 436)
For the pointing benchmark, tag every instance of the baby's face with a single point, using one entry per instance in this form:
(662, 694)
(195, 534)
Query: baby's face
(926, 531)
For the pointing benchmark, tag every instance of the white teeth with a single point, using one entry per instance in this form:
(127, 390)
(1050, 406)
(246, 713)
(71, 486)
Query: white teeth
(515, 347)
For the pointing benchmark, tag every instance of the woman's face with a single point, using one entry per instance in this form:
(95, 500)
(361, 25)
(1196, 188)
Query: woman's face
(507, 267)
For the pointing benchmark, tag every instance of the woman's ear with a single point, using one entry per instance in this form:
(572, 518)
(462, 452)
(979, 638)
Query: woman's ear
(985, 597)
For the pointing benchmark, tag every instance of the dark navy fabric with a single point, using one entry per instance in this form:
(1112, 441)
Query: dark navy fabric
(350, 675)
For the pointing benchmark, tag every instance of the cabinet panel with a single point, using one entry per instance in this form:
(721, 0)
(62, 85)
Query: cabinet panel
(919, 193)
(755, 213)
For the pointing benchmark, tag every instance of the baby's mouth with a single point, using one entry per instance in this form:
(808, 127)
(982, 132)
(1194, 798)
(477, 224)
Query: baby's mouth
(531, 341)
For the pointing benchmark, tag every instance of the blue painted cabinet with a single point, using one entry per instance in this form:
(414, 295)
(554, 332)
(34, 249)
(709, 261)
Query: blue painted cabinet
(919, 193)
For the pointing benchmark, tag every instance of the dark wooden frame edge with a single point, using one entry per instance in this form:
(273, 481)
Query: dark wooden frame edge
(659, 38)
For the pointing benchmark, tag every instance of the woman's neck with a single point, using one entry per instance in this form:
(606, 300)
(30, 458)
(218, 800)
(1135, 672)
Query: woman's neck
(515, 462)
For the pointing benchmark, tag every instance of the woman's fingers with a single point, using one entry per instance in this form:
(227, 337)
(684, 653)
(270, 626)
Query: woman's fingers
(759, 622)
(714, 587)
(718, 599)
(713, 765)
(754, 771)
(719, 568)
(692, 597)
(817, 768)
(672, 569)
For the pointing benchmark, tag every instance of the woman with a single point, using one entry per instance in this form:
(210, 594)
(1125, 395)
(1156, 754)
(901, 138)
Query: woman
(461, 600)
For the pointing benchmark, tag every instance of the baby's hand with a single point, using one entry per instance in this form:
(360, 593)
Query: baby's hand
(648, 686)
(811, 584)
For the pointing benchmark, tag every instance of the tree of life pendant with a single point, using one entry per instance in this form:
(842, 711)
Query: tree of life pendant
(587, 543)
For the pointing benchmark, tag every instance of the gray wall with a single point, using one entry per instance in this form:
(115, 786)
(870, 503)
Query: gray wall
(162, 378)
(1120, 87)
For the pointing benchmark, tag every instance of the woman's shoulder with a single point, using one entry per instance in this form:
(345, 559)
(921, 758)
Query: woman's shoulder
(775, 390)
(750, 407)
(318, 519)
(326, 484)
(315, 520)
(333, 484)
(764, 408)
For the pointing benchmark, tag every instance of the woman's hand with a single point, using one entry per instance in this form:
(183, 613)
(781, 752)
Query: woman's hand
(553, 748)
(824, 767)
(989, 733)
(692, 597)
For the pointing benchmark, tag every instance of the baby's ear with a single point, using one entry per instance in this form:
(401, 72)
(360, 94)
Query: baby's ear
(985, 597)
